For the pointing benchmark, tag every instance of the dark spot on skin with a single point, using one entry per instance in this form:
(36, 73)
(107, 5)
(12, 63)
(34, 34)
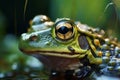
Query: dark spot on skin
(71, 49)
(33, 38)
(83, 43)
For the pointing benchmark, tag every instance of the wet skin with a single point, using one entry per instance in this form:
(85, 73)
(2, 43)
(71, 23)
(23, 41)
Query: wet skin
(68, 45)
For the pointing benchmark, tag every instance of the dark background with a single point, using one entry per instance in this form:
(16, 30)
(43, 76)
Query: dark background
(13, 11)
(88, 12)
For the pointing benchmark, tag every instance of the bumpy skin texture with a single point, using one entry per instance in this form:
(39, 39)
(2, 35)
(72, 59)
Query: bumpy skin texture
(72, 50)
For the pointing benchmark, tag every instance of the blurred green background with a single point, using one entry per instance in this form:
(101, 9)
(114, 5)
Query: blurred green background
(13, 22)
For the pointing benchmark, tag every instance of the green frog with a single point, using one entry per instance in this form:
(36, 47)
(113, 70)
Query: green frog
(65, 46)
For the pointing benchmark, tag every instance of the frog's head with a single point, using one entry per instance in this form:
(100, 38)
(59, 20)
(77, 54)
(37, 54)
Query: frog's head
(61, 40)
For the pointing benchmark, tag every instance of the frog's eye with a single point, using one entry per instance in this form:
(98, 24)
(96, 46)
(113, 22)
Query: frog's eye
(41, 22)
(64, 30)
(39, 19)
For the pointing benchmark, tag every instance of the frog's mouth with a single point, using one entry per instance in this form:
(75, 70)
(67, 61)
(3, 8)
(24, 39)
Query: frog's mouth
(53, 53)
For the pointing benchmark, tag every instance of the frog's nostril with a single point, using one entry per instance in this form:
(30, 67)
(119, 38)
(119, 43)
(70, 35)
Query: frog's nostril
(33, 38)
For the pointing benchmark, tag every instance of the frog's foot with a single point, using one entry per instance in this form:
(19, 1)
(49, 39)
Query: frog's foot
(83, 72)
(78, 74)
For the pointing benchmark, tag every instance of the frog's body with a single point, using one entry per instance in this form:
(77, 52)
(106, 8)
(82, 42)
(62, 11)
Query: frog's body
(67, 45)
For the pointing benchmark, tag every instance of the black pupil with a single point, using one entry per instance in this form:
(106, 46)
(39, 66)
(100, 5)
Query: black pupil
(63, 30)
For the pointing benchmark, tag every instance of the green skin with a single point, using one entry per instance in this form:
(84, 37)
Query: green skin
(44, 42)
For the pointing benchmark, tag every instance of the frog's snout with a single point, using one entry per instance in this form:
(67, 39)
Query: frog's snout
(31, 37)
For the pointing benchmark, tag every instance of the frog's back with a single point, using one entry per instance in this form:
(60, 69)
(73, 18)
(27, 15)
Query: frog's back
(97, 33)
